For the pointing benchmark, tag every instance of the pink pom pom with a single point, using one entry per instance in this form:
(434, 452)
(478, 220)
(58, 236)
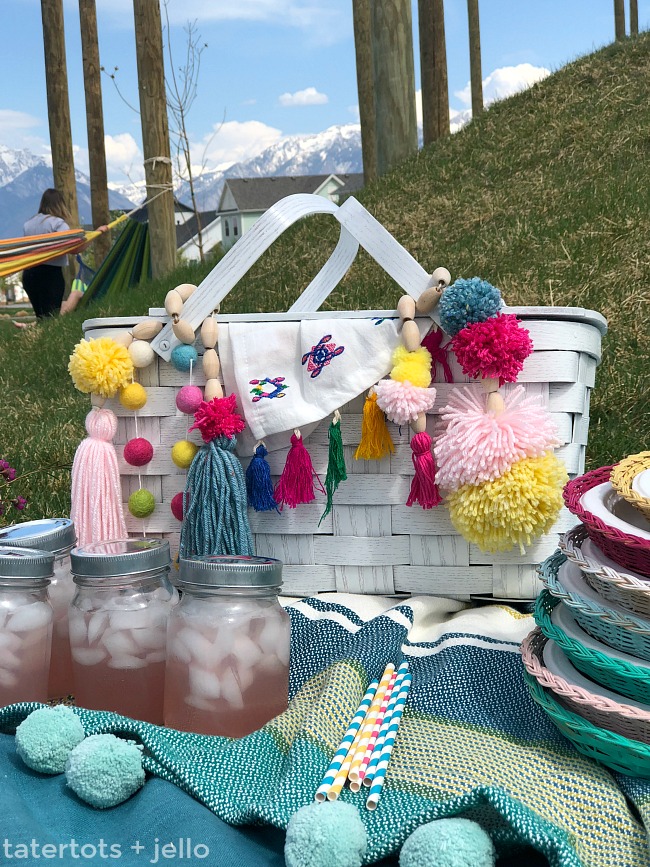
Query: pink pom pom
(189, 398)
(403, 402)
(494, 349)
(218, 417)
(478, 446)
(177, 505)
(138, 452)
(423, 487)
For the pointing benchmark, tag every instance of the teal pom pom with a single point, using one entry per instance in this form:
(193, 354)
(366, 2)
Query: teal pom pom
(45, 738)
(105, 770)
(467, 301)
(321, 835)
(184, 355)
(448, 843)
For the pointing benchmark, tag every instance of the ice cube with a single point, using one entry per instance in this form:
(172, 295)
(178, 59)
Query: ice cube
(126, 661)
(221, 645)
(119, 643)
(124, 603)
(96, 625)
(85, 604)
(88, 655)
(130, 619)
(7, 678)
(151, 638)
(245, 677)
(204, 683)
(9, 641)
(156, 656)
(197, 644)
(178, 649)
(246, 651)
(15, 600)
(77, 629)
(29, 617)
(272, 635)
(199, 703)
(10, 660)
(230, 690)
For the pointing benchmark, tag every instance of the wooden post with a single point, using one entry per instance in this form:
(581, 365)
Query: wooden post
(427, 73)
(365, 87)
(476, 75)
(95, 125)
(58, 106)
(440, 67)
(394, 73)
(155, 134)
(619, 19)
(634, 17)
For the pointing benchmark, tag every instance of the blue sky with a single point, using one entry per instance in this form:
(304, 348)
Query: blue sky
(272, 68)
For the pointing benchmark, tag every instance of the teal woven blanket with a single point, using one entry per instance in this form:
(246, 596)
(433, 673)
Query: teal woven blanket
(471, 743)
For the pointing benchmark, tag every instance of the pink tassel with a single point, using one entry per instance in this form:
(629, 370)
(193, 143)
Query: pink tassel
(96, 491)
(423, 487)
(296, 484)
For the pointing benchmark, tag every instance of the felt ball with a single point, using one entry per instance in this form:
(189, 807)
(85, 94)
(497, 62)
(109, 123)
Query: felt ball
(467, 301)
(141, 353)
(138, 452)
(320, 835)
(448, 843)
(183, 356)
(133, 396)
(141, 503)
(45, 738)
(105, 770)
(183, 453)
(189, 398)
(177, 505)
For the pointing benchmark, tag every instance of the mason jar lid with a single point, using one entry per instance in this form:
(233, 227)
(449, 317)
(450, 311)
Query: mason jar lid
(220, 570)
(48, 534)
(20, 563)
(120, 557)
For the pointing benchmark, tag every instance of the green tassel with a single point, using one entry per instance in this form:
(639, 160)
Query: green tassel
(335, 463)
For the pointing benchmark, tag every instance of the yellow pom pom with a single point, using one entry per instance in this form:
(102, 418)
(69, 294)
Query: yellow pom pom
(133, 396)
(100, 366)
(514, 509)
(412, 366)
(183, 453)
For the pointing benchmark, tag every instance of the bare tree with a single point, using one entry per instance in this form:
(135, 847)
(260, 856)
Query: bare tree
(362, 19)
(634, 17)
(476, 75)
(619, 19)
(433, 70)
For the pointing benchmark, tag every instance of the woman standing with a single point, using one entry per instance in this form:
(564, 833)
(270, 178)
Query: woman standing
(44, 284)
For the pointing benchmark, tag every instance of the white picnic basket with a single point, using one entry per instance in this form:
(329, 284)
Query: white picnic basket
(371, 542)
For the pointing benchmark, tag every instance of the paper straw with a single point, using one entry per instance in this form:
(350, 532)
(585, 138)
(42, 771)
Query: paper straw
(380, 774)
(341, 777)
(369, 723)
(375, 732)
(402, 671)
(342, 752)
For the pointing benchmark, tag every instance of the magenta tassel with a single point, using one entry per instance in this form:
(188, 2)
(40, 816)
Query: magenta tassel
(296, 484)
(423, 487)
(96, 491)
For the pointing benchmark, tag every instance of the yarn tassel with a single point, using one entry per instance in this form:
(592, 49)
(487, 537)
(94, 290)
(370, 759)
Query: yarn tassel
(216, 520)
(296, 484)
(259, 487)
(376, 442)
(336, 472)
(96, 491)
(423, 487)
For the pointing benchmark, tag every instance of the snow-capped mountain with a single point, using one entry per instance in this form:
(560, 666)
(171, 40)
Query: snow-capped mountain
(14, 162)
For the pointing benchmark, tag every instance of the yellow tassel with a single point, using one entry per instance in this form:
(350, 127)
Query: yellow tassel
(375, 437)
(412, 366)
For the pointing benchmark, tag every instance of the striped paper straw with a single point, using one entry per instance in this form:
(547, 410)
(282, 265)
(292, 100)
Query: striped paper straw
(369, 723)
(341, 754)
(375, 732)
(380, 774)
(402, 671)
(341, 777)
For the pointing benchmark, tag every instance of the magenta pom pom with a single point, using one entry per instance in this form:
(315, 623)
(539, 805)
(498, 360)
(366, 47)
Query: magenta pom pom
(218, 417)
(423, 487)
(138, 452)
(403, 402)
(478, 446)
(189, 398)
(177, 505)
(494, 349)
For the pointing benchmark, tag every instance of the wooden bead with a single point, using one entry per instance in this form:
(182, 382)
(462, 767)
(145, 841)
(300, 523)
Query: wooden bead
(209, 332)
(410, 335)
(212, 389)
(185, 290)
(173, 303)
(490, 385)
(428, 300)
(184, 331)
(406, 307)
(420, 424)
(124, 338)
(97, 400)
(495, 403)
(211, 364)
(147, 330)
(441, 277)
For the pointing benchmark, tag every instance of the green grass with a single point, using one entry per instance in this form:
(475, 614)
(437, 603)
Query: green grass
(545, 196)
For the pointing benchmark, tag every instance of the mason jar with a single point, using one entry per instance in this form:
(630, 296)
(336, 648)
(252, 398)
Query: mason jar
(227, 647)
(25, 624)
(57, 536)
(118, 626)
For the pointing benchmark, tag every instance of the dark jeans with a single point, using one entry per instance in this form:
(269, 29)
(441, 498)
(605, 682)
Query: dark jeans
(45, 286)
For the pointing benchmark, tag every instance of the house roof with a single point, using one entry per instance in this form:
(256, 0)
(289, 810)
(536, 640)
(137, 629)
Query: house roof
(142, 214)
(187, 230)
(258, 194)
(352, 183)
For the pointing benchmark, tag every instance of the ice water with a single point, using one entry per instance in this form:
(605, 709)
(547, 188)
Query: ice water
(60, 592)
(25, 640)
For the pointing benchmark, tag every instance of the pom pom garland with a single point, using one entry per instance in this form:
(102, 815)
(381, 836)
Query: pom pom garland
(142, 503)
(376, 442)
(413, 367)
(218, 417)
(100, 366)
(45, 738)
(322, 835)
(259, 487)
(453, 842)
(467, 301)
(403, 402)
(133, 396)
(177, 505)
(494, 349)
(138, 452)
(183, 357)
(189, 398)
(142, 355)
(183, 453)
(477, 446)
(105, 770)
(513, 509)
(296, 484)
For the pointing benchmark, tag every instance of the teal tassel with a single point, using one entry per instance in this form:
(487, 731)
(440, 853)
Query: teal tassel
(216, 518)
(336, 472)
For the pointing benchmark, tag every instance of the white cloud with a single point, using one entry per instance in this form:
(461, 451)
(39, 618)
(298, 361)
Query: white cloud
(123, 157)
(504, 82)
(16, 121)
(232, 141)
(308, 96)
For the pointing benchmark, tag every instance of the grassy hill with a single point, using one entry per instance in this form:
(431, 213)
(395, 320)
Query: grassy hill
(545, 195)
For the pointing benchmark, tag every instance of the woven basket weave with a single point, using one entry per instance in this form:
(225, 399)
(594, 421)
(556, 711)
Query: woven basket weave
(623, 475)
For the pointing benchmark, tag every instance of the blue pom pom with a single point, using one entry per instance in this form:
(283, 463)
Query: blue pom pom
(259, 486)
(448, 843)
(467, 301)
(105, 770)
(45, 738)
(184, 355)
(322, 835)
